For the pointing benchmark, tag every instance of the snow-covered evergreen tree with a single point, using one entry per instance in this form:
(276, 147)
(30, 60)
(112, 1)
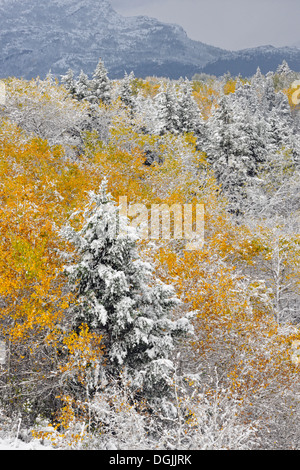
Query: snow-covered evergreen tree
(126, 90)
(284, 68)
(235, 148)
(168, 119)
(189, 113)
(69, 82)
(100, 84)
(284, 76)
(82, 86)
(246, 129)
(119, 296)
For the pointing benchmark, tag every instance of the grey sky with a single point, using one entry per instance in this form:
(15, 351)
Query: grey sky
(230, 24)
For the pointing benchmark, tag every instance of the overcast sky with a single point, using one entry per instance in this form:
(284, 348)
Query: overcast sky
(230, 24)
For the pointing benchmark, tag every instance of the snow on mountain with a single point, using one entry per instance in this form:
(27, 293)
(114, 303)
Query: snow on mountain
(246, 61)
(296, 44)
(37, 36)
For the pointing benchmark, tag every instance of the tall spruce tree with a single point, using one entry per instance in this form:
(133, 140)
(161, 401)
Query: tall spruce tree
(69, 82)
(82, 87)
(235, 149)
(119, 296)
(126, 90)
(100, 84)
(168, 119)
(189, 113)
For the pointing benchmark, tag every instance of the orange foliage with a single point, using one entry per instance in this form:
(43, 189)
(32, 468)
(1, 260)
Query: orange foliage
(206, 97)
(229, 86)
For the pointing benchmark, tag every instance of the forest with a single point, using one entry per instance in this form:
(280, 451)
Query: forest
(111, 340)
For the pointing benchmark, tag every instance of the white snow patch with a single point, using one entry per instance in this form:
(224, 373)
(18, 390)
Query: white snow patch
(17, 444)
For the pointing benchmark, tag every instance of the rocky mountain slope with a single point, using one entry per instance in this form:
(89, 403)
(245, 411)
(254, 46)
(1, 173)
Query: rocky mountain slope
(246, 61)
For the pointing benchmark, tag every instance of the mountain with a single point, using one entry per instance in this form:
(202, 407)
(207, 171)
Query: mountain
(246, 61)
(37, 35)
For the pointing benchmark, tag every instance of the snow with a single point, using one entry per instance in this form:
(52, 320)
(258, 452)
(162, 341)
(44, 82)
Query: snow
(17, 444)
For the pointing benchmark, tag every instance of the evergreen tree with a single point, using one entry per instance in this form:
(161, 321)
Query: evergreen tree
(268, 96)
(168, 119)
(189, 113)
(235, 148)
(284, 68)
(257, 81)
(69, 82)
(119, 296)
(218, 132)
(126, 90)
(82, 87)
(284, 76)
(100, 84)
